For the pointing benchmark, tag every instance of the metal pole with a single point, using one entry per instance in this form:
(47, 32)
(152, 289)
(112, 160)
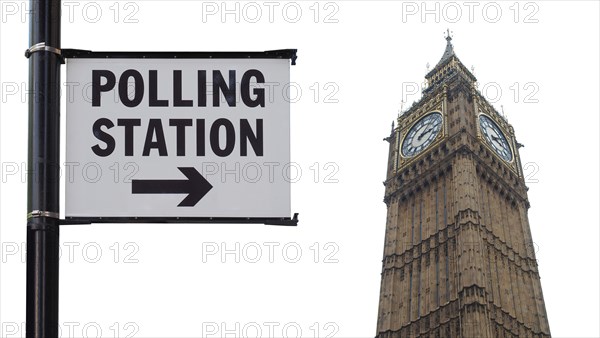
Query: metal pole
(43, 169)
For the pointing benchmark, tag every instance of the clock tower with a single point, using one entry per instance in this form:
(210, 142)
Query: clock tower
(458, 257)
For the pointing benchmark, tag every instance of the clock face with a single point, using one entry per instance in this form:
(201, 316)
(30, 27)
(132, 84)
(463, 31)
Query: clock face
(422, 134)
(495, 138)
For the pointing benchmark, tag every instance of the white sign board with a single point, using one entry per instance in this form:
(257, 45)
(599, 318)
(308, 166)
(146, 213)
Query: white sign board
(175, 138)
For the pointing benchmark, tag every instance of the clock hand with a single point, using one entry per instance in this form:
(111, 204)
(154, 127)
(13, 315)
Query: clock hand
(430, 123)
(498, 141)
(423, 134)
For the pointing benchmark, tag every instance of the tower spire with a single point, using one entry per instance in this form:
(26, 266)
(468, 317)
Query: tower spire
(449, 48)
(448, 66)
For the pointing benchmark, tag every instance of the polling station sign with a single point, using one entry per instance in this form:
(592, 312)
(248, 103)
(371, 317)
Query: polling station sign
(178, 136)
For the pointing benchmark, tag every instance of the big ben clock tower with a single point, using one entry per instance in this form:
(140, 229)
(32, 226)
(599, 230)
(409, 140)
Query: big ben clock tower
(458, 255)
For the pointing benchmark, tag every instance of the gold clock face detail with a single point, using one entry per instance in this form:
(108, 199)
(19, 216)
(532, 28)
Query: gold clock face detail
(422, 134)
(495, 138)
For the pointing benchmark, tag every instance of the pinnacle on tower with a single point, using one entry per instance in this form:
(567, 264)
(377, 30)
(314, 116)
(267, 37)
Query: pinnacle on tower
(449, 48)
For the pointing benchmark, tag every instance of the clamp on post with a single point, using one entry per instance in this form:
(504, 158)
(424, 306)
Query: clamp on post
(40, 213)
(38, 47)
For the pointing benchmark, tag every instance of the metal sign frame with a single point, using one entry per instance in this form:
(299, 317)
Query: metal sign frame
(272, 54)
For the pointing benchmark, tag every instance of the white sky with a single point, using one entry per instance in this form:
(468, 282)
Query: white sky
(371, 52)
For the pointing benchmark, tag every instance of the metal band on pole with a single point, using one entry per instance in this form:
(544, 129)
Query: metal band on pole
(39, 213)
(41, 47)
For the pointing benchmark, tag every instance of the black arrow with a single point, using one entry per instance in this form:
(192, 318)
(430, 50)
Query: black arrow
(196, 186)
